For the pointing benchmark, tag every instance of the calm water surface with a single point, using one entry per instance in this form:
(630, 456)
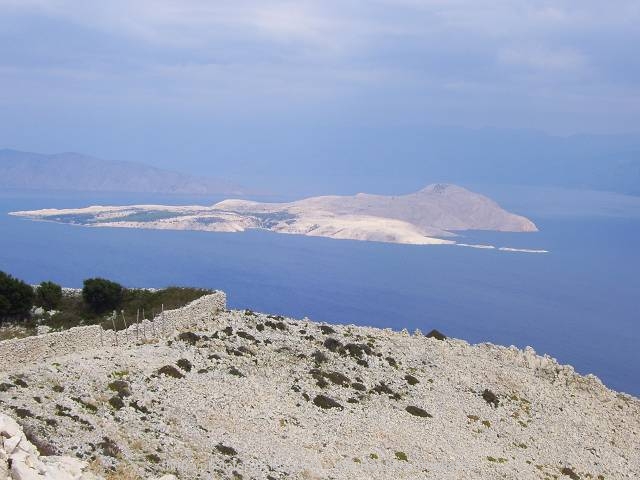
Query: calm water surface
(579, 303)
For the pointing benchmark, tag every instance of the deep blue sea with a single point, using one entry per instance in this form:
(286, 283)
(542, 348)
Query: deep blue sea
(580, 303)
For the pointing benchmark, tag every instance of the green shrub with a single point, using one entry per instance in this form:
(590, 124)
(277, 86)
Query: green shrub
(121, 387)
(49, 295)
(490, 397)
(170, 371)
(16, 297)
(417, 411)
(436, 334)
(569, 472)
(184, 364)
(411, 380)
(401, 456)
(102, 295)
(325, 402)
(225, 450)
(116, 402)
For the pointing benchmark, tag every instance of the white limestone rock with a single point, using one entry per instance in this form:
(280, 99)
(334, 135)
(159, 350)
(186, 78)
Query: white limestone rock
(252, 399)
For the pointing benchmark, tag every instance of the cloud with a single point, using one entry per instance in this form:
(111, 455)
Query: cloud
(412, 54)
(544, 59)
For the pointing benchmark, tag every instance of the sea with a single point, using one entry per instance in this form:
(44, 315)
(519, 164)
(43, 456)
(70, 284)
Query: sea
(579, 303)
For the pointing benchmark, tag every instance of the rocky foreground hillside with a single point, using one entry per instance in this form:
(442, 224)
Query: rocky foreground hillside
(248, 395)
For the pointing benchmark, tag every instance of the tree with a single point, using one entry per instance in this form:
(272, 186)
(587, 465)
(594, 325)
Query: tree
(102, 295)
(49, 295)
(16, 297)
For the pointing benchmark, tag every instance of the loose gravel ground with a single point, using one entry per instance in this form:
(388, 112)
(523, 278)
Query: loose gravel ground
(260, 396)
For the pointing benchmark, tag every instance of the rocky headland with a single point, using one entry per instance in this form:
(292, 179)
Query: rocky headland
(206, 392)
(428, 217)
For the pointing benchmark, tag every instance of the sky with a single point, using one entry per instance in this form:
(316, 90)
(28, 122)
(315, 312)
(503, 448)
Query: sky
(215, 85)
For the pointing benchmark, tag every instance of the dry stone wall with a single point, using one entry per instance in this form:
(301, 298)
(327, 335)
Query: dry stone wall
(15, 353)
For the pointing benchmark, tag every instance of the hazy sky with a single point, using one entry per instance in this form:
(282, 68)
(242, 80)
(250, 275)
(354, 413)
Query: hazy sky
(179, 81)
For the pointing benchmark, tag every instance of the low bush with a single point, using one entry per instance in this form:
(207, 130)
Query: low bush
(16, 298)
(418, 412)
(121, 387)
(102, 295)
(170, 371)
(570, 473)
(73, 311)
(436, 334)
(184, 364)
(325, 402)
(332, 344)
(189, 337)
(401, 456)
(411, 380)
(48, 295)
(491, 398)
(116, 402)
(225, 450)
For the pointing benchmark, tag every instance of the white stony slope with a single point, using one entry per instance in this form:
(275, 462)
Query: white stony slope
(419, 218)
(250, 397)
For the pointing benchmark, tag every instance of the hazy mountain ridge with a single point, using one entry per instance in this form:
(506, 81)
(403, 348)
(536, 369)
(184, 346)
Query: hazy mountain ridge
(77, 172)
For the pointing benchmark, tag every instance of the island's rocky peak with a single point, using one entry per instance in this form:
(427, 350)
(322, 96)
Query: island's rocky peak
(429, 216)
(437, 188)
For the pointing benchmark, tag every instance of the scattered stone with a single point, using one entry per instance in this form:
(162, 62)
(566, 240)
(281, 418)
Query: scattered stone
(287, 427)
(21, 460)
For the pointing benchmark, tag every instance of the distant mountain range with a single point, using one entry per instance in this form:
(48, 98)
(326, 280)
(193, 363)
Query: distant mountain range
(389, 160)
(74, 171)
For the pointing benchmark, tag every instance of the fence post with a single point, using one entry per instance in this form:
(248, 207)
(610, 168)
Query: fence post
(144, 327)
(115, 329)
(126, 330)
